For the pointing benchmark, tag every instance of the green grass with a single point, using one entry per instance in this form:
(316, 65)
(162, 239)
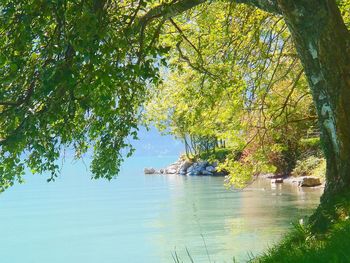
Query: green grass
(331, 244)
(302, 247)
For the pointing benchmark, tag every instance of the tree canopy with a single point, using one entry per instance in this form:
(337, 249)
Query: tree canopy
(76, 74)
(244, 85)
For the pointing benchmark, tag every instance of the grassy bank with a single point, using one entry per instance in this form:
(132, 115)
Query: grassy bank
(331, 244)
(302, 247)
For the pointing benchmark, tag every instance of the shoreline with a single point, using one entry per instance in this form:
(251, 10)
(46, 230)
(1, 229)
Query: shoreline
(185, 167)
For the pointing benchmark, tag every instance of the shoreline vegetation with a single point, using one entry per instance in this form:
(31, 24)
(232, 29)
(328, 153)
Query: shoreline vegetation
(300, 244)
(306, 170)
(185, 167)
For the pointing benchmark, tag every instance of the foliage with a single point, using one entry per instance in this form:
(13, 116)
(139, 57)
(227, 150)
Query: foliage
(72, 75)
(311, 166)
(242, 171)
(220, 155)
(310, 146)
(76, 74)
(248, 91)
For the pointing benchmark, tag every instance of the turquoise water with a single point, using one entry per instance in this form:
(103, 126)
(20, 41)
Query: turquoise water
(143, 218)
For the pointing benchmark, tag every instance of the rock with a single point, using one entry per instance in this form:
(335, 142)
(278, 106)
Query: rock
(192, 173)
(184, 166)
(149, 171)
(277, 181)
(309, 181)
(268, 176)
(171, 170)
(191, 168)
(197, 168)
(202, 166)
(205, 172)
(210, 169)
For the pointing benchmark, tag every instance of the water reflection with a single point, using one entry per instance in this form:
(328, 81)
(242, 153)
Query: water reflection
(205, 217)
(138, 218)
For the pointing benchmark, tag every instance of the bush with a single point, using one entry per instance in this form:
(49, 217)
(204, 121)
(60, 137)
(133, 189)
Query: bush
(220, 154)
(310, 146)
(311, 166)
(241, 172)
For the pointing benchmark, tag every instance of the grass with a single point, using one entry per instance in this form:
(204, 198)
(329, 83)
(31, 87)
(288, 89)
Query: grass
(331, 244)
(302, 247)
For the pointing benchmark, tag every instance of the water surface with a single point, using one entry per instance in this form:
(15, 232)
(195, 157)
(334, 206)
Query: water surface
(143, 218)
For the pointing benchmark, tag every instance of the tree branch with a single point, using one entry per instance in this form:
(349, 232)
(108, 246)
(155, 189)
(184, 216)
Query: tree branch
(269, 6)
(170, 10)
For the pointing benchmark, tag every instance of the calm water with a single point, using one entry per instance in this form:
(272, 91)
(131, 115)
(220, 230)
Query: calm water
(138, 218)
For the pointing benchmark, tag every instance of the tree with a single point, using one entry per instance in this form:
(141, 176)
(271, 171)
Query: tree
(93, 58)
(234, 75)
(323, 44)
(70, 76)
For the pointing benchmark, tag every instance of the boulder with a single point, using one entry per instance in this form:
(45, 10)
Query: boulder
(191, 168)
(192, 173)
(205, 172)
(210, 169)
(149, 171)
(309, 181)
(197, 168)
(171, 170)
(279, 180)
(202, 166)
(184, 166)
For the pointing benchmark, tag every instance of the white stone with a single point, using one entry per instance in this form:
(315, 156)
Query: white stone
(149, 171)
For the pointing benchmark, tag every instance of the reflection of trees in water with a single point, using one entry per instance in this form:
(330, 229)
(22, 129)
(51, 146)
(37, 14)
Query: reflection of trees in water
(275, 206)
(231, 222)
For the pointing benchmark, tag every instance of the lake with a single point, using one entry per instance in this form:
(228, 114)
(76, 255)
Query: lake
(143, 218)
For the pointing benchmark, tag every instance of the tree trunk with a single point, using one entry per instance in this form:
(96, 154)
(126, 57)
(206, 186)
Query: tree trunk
(323, 43)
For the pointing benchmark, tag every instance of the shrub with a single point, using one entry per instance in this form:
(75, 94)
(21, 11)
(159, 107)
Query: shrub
(311, 166)
(310, 146)
(240, 172)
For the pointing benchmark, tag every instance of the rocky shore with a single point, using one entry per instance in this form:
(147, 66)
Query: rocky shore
(302, 181)
(187, 167)
(205, 168)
